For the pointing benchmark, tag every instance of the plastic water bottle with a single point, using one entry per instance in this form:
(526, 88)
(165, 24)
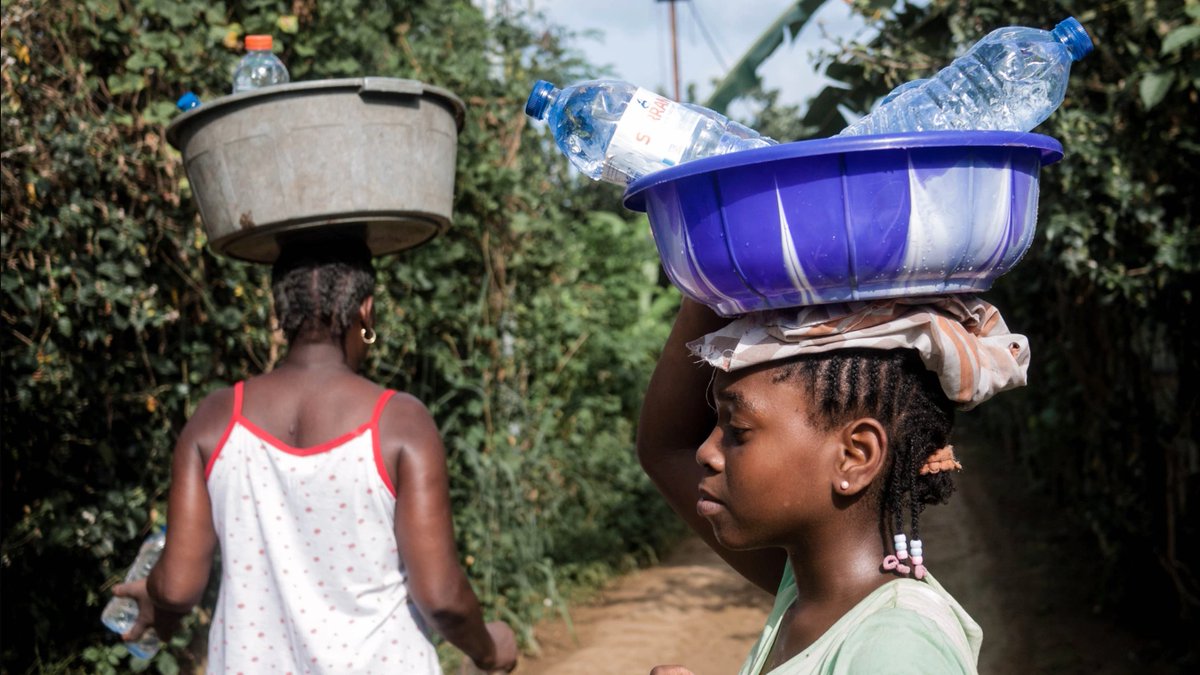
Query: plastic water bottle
(911, 84)
(120, 614)
(1010, 80)
(617, 132)
(259, 67)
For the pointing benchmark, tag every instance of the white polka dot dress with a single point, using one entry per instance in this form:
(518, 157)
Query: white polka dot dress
(312, 580)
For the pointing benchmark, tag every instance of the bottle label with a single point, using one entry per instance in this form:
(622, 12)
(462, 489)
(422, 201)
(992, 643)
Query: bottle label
(653, 134)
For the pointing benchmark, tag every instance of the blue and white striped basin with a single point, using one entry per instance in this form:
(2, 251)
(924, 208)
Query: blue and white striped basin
(852, 218)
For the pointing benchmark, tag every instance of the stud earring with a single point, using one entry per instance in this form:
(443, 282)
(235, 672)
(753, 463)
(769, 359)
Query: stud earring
(369, 340)
(845, 485)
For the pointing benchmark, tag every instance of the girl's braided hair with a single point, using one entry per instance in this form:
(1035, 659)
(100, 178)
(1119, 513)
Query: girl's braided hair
(318, 286)
(894, 387)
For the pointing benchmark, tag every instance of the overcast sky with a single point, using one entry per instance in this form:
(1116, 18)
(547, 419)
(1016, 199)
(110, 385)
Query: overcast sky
(712, 36)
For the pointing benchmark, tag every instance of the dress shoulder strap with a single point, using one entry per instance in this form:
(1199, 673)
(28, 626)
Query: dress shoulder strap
(380, 404)
(233, 420)
(377, 448)
(238, 390)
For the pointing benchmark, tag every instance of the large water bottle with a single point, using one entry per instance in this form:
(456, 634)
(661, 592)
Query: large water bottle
(617, 132)
(120, 614)
(259, 67)
(1010, 80)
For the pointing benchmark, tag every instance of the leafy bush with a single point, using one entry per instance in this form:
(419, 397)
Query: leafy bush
(529, 328)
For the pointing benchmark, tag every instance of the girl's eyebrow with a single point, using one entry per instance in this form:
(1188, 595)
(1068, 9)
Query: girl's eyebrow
(737, 399)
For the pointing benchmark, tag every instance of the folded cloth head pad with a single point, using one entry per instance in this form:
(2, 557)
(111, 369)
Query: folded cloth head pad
(961, 338)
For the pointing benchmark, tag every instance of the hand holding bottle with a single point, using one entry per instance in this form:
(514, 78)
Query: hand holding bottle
(130, 612)
(151, 621)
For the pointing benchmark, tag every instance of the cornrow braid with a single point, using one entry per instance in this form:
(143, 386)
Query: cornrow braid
(894, 387)
(318, 286)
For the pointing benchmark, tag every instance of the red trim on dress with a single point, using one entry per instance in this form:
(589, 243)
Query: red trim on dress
(378, 451)
(267, 437)
(237, 412)
(278, 444)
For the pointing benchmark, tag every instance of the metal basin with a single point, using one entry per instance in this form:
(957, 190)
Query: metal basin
(372, 157)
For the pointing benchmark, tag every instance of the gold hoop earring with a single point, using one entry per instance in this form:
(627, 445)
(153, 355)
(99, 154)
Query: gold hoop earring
(369, 340)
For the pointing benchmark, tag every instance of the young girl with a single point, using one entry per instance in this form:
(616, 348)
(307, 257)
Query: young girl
(329, 499)
(826, 433)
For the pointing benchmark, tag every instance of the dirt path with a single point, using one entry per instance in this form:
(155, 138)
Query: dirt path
(1007, 560)
(690, 609)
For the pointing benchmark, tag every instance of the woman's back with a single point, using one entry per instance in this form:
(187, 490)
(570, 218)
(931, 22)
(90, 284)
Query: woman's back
(305, 406)
(304, 511)
(329, 500)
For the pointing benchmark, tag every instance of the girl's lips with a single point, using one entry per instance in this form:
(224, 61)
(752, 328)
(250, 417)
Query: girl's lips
(708, 507)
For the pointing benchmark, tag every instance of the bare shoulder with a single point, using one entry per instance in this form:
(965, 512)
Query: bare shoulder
(406, 422)
(405, 411)
(216, 402)
(208, 423)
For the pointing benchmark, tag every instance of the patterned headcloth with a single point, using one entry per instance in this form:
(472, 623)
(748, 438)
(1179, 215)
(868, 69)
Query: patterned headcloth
(960, 337)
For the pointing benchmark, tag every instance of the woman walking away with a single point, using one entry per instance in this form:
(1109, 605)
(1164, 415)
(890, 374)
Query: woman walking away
(328, 496)
(803, 449)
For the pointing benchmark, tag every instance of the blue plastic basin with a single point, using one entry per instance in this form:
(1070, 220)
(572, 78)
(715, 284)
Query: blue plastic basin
(840, 219)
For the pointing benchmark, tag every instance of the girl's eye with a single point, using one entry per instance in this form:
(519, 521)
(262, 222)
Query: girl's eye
(737, 434)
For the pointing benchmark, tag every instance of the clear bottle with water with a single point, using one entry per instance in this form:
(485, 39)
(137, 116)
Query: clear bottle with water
(1010, 80)
(259, 67)
(617, 132)
(120, 614)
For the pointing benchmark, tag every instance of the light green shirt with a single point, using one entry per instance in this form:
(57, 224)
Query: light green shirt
(905, 626)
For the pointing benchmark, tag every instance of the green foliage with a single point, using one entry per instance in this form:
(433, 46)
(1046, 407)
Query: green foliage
(1107, 293)
(529, 328)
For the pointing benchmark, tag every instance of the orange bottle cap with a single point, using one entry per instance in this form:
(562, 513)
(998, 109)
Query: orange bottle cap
(258, 43)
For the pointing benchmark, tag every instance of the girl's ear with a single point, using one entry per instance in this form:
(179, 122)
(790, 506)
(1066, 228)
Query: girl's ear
(861, 455)
(366, 311)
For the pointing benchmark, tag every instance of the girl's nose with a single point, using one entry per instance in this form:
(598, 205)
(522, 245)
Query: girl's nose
(709, 453)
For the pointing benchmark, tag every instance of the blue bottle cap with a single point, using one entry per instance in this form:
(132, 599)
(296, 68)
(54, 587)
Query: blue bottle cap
(188, 101)
(1072, 34)
(539, 99)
